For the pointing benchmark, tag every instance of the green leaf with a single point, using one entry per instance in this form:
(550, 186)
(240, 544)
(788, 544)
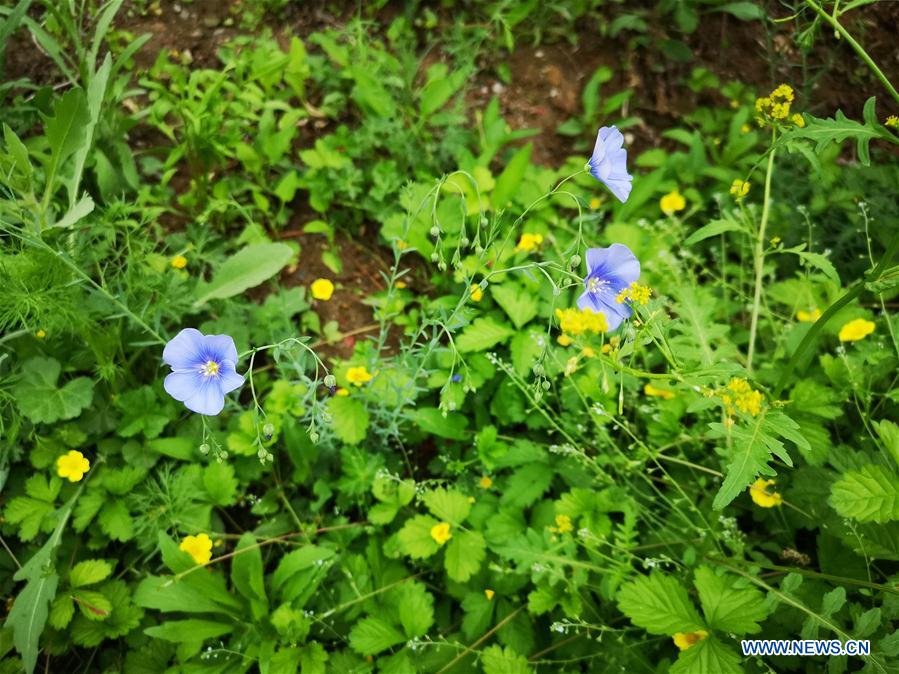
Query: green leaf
(519, 303)
(447, 505)
(89, 571)
(115, 520)
(194, 630)
(869, 494)
(659, 604)
(510, 179)
(141, 412)
(220, 483)
(450, 425)
(42, 401)
(247, 573)
(245, 269)
(61, 612)
(497, 660)
(92, 604)
(372, 635)
(66, 130)
(415, 607)
(714, 228)
(349, 419)
(464, 554)
(709, 656)
(823, 132)
(478, 614)
(482, 334)
(198, 592)
(415, 537)
(745, 11)
(726, 608)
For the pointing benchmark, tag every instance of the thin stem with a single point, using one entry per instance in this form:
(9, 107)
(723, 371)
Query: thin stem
(759, 259)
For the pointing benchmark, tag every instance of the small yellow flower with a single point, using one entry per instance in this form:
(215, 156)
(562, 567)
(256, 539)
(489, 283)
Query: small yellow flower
(485, 482)
(401, 245)
(892, 121)
(655, 392)
(563, 340)
(595, 203)
(322, 289)
(476, 293)
(739, 188)
(775, 241)
(734, 103)
(635, 293)
(744, 397)
(563, 524)
(804, 316)
(358, 375)
(400, 284)
(198, 547)
(40, 334)
(529, 242)
(761, 496)
(745, 128)
(798, 120)
(579, 321)
(441, 533)
(179, 262)
(683, 640)
(342, 392)
(489, 594)
(856, 330)
(672, 202)
(72, 466)
(587, 352)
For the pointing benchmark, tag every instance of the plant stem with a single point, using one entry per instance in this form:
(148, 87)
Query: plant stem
(759, 259)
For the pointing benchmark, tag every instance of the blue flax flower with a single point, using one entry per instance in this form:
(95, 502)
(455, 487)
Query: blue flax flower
(609, 162)
(203, 370)
(609, 271)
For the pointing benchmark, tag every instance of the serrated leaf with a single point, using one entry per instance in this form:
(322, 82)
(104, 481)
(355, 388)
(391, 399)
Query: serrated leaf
(415, 607)
(220, 483)
(415, 537)
(519, 304)
(89, 571)
(447, 505)
(115, 520)
(709, 656)
(245, 269)
(482, 334)
(823, 132)
(726, 608)
(61, 612)
(464, 554)
(659, 604)
(92, 604)
(349, 419)
(372, 635)
(42, 401)
(869, 494)
(497, 660)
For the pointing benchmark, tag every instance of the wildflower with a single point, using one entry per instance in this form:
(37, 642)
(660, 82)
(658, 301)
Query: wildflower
(528, 242)
(739, 188)
(456, 378)
(761, 496)
(563, 339)
(198, 547)
(743, 397)
(804, 316)
(595, 203)
(72, 466)
(342, 392)
(400, 284)
(489, 594)
(179, 262)
(775, 108)
(635, 293)
(441, 533)
(609, 271)
(579, 322)
(798, 120)
(775, 240)
(856, 330)
(40, 334)
(672, 202)
(322, 289)
(358, 375)
(401, 245)
(588, 352)
(656, 392)
(203, 370)
(745, 128)
(608, 164)
(485, 482)
(476, 293)
(892, 121)
(563, 524)
(683, 640)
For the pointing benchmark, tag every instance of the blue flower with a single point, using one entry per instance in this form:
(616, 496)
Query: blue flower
(609, 162)
(203, 370)
(609, 271)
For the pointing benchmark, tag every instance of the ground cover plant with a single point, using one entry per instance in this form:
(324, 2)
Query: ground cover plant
(504, 337)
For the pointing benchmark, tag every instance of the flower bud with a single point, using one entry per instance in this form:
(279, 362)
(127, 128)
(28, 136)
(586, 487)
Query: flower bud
(268, 430)
(204, 448)
(435, 231)
(434, 257)
(330, 380)
(574, 261)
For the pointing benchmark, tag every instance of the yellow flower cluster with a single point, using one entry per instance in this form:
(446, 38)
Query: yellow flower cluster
(740, 394)
(635, 293)
(563, 525)
(580, 321)
(529, 242)
(761, 496)
(775, 108)
(739, 188)
(892, 121)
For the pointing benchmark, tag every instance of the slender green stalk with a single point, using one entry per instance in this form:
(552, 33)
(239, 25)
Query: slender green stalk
(759, 259)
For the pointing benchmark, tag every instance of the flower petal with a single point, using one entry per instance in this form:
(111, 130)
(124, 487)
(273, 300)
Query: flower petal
(184, 350)
(621, 188)
(184, 384)
(208, 399)
(219, 348)
(614, 312)
(622, 265)
(228, 377)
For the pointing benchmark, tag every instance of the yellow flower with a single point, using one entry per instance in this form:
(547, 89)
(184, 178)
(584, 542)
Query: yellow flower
(476, 293)
(563, 340)
(529, 242)
(892, 121)
(485, 482)
(595, 203)
(745, 128)
(571, 366)
(342, 392)
(40, 334)
(179, 262)
(441, 533)
(579, 321)
(198, 547)
(635, 293)
(758, 492)
(587, 352)
(798, 120)
(739, 188)
(656, 392)
(775, 240)
(489, 594)
(856, 330)
(322, 289)
(804, 316)
(563, 524)
(400, 284)
(744, 398)
(401, 245)
(683, 640)
(358, 375)
(672, 202)
(72, 466)
(776, 108)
